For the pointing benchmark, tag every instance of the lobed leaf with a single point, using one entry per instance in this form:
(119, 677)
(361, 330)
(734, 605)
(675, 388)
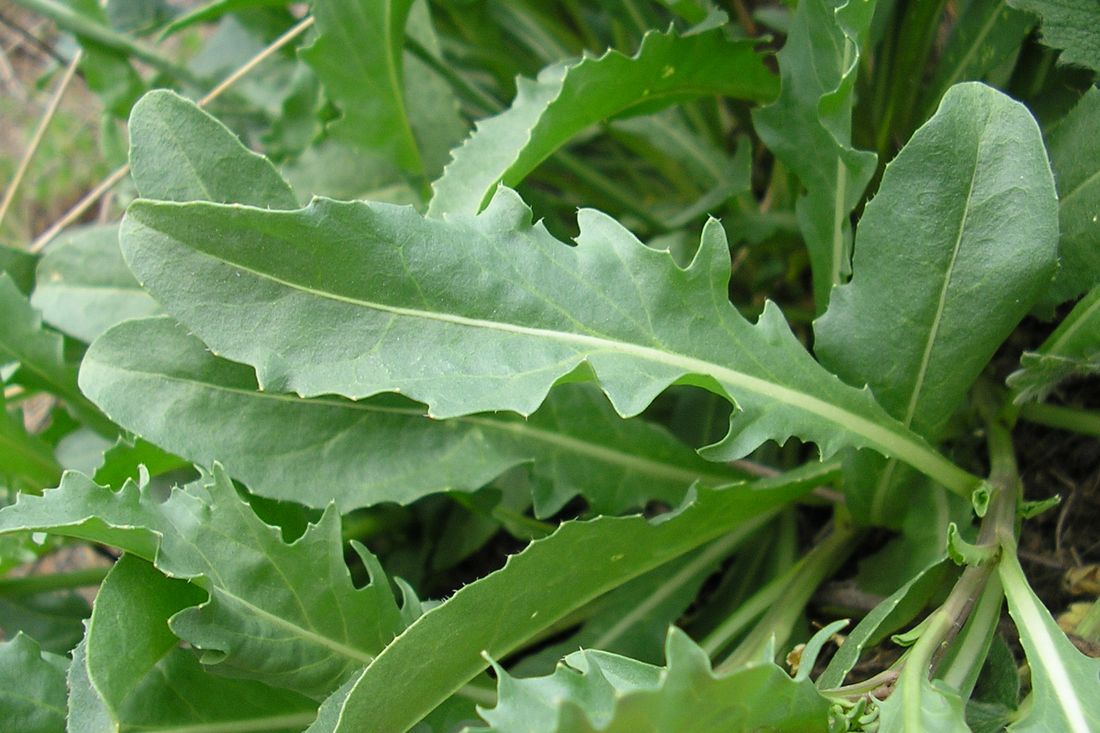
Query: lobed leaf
(809, 129)
(162, 384)
(32, 687)
(397, 689)
(1069, 25)
(972, 199)
(599, 691)
(84, 286)
(162, 687)
(1073, 350)
(569, 97)
(278, 613)
(487, 313)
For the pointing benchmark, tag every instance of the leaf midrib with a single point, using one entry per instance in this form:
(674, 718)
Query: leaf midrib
(888, 439)
(607, 455)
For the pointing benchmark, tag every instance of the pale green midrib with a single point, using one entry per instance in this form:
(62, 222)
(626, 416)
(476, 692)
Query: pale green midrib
(716, 551)
(254, 725)
(937, 319)
(351, 653)
(1032, 623)
(887, 439)
(599, 452)
(1081, 320)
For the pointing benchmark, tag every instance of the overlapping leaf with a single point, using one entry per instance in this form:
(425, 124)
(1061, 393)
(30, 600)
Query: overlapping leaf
(180, 153)
(84, 286)
(809, 128)
(1075, 157)
(27, 458)
(32, 687)
(487, 313)
(163, 385)
(599, 691)
(398, 689)
(1073, 350)
(972, 199)
(278, 613)
(1069, 25)
(162, 687)
(39, 352)
(571, 96)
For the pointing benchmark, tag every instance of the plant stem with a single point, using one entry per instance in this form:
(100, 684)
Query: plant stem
(32, 584)
(800, 583)
(70, 20)
(39, 133)
(1077, 420)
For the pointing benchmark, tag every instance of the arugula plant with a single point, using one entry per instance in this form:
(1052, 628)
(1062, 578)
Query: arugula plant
(379, 432)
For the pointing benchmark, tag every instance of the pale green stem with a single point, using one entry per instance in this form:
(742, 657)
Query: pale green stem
(1086, 422)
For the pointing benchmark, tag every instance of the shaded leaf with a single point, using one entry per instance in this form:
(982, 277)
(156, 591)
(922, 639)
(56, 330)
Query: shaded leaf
(32, 687)
(809, 128)
(277, 612)
(1075, 157)
(571, 96)
(1073, 350)
(162, 687)
(361, 298)
(19, 266)
(164, 385)
(397, 690)
(598, 691)
(358, 58)
(1069, 25)
(54, 620)
(40, 354)
(28, 460)
(972, 198)
(84, 286)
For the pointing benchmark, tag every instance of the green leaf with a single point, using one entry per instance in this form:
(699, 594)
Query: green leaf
(163, 385)
(211, 11)
(919, 706)
(1073, 350)
(121, 461)
(54, 620)
(1065, 684)
(358, 58)
(361, 298)
(1075, 157)
(106, 71)
(40, 354)
(278, 613)
(19, 265)
(571, 96)
(595, 690)
(986, 34)
(633, 620)
(84, 286)
(162, 687)
(28, 460)
(32, 687)
(180, 153)
(809, 129)
(972, 198)
(1070, 25)
(889, 615)
(397, 690)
